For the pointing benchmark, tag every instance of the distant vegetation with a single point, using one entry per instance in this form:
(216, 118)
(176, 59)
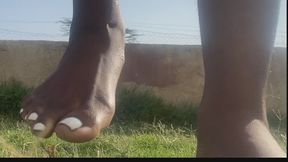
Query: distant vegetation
(130, 34)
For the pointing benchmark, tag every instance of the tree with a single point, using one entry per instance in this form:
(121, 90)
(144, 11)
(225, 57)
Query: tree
(66, 23)
(130, 34)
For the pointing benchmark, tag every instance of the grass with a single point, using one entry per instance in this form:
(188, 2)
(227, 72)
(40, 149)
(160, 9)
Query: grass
(148, 140)
(144, 126)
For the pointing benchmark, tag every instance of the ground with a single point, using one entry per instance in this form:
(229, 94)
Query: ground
(144, 126)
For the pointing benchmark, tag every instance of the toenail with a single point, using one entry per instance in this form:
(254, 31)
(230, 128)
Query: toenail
(39, 127)
(21, 110)
(33, 116)
(72, 122)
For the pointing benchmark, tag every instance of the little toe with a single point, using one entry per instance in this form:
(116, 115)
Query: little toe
(24, 113)
(21, 110)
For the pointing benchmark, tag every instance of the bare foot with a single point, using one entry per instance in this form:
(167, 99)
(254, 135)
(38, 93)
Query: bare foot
(78, 99)
(251, 138)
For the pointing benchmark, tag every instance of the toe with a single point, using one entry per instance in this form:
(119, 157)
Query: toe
(80, 135)
(77, 127)
(42, 125)
(21, 110)
(39, 127)
(72, 122)
(24, 113)
(32, 116)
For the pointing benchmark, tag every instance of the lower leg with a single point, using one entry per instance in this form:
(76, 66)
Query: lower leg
(237, 39)
(78, 99)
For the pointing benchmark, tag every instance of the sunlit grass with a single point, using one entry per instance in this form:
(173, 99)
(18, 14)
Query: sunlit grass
(144, 126)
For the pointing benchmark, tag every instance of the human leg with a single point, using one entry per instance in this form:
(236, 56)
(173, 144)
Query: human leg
(237, 39)
(78, 99)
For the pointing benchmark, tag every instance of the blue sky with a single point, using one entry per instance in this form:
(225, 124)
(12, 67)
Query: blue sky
(159, 21)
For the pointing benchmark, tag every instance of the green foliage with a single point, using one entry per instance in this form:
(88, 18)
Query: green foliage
(119, 140)
(142, 105)
(11, 95)
(144, 126)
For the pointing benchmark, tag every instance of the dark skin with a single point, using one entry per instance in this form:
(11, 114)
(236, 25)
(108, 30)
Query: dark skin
(237, 40)
(78, 99)
(83, 86)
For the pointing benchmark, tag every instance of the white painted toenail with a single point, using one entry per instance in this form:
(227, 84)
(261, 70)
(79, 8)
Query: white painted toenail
(72, 122)
(33, 116)
(39, 127)
(21, 110)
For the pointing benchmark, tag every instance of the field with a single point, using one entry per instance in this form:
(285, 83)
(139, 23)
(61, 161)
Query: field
(144, 126)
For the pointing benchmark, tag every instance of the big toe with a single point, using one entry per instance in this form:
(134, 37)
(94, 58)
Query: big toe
(77, 128)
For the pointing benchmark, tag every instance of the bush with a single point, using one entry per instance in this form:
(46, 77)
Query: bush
(11, 95)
